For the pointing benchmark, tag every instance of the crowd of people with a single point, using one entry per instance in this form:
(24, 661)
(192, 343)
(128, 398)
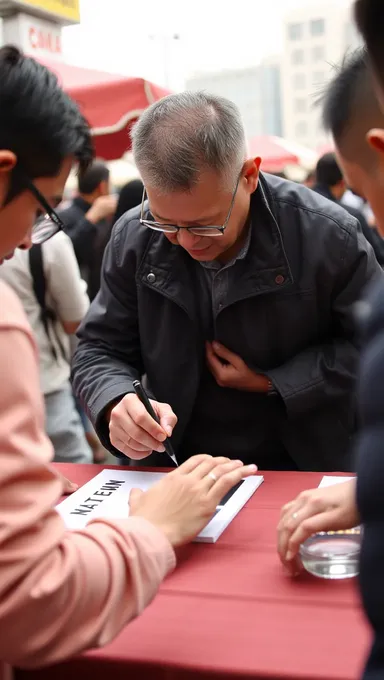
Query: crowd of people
(250, 306)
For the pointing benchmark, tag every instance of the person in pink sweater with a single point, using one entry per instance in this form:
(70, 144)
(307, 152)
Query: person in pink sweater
(62, 592)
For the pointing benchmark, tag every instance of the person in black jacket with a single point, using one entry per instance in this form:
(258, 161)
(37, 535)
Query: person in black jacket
(88, 222)
(353, 114)
(233, 291)
(130, 196)
(331, 184)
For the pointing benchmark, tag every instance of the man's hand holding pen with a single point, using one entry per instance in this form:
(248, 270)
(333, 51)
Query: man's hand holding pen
(134, 432)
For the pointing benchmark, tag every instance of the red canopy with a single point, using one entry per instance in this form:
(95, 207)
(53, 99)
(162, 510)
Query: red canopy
(110, 102)
(276, 153)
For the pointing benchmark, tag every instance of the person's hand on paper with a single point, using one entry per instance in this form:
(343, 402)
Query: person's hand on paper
(330, 508)
(183, 502)
(132, 430)
(229, 370)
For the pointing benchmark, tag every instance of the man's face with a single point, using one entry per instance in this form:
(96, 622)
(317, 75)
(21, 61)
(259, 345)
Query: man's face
(367, 183)
(18, 217)
(206, 205)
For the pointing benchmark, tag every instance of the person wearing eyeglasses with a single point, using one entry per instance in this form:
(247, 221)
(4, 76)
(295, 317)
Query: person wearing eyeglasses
(233, 293)
(61, 591)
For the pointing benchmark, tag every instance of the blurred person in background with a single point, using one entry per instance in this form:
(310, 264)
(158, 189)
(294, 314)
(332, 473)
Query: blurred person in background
(63, 591)
(88, 221)
(130, 196)
(353, 114)
(310, 179)
(331, 184)
(234, 293)
(48, 282)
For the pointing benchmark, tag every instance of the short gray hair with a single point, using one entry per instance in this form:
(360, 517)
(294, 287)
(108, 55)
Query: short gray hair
(183, 134)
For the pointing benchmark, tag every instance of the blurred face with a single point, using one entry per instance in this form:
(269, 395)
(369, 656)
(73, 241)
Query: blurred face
(207, 205)
(367, 183)
(18, 217)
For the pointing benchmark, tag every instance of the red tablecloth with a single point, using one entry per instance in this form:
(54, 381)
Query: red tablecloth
(229, 610)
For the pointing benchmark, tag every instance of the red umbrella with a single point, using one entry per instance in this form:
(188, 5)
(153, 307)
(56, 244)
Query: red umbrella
(277, 153)
(110, 102)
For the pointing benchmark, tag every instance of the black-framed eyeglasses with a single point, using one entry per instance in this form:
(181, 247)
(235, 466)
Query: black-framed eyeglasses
(198, 231)
(48, 224)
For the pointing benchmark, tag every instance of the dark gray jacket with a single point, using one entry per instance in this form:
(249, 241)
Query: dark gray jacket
(290, 316)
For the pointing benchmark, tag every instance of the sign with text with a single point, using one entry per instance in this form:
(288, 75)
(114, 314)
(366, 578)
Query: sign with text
(107, 496)
(63, 11)
(34, 36)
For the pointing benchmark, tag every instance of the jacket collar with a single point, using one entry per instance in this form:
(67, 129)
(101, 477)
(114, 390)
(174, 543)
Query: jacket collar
(265, 269)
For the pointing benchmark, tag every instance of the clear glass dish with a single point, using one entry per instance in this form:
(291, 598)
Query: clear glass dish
(332, 554)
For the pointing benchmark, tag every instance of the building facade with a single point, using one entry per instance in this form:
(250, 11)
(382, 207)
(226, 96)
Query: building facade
(255, 90)
(316, 38)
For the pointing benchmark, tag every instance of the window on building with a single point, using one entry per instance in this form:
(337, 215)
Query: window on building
(318, 53)
(300, 105)
(317, 27)
(298, 57)
(299, 81)
(301, 129)
(295, 31)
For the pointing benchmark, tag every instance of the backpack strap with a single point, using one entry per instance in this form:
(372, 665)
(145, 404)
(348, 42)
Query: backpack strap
(47, 315)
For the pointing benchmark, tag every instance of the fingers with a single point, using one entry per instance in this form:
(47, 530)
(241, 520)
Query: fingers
(167, 417)
(226, 354)
(191, 464)
(128, 451)
(140, 419)
(131, 424)
(324, 521)
(230, 479)
(214, 363)
(222, 467)
(68, 486)
(211, 465)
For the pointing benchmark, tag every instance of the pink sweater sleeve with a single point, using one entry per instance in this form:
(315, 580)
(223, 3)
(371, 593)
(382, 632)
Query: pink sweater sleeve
(60, 592)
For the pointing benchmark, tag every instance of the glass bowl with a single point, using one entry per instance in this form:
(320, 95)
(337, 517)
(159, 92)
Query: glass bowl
(332, 554)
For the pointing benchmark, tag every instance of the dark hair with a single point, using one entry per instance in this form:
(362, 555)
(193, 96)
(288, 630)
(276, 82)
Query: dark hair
(130, 196)
(351, 108)
(328, 172)
(343, 92)
(96, 173)
(38, 120)
(369, 16)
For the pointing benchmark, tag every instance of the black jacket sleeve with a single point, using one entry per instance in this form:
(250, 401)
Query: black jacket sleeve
(108, 357)
(370, 478)
(324, 373)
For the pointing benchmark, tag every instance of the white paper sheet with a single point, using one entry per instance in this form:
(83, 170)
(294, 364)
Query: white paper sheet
(330, 481)
(107, 494)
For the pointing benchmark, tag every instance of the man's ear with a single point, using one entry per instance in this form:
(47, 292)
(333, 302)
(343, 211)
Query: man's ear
(251, 172)
(375, 139)
(8, 160)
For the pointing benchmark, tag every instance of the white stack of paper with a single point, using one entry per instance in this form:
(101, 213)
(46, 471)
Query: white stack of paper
(330, 481)
(107, 494)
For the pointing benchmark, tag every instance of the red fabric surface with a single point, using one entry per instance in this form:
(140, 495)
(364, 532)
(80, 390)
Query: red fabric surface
(230, 610)
(110, 102)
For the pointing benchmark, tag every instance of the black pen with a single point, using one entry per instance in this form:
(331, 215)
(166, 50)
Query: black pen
(141, 394)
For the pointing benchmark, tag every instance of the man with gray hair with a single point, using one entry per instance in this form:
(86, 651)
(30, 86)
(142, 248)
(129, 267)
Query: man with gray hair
(233, 293)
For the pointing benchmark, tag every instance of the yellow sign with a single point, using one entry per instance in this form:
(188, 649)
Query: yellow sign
(68, 10)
